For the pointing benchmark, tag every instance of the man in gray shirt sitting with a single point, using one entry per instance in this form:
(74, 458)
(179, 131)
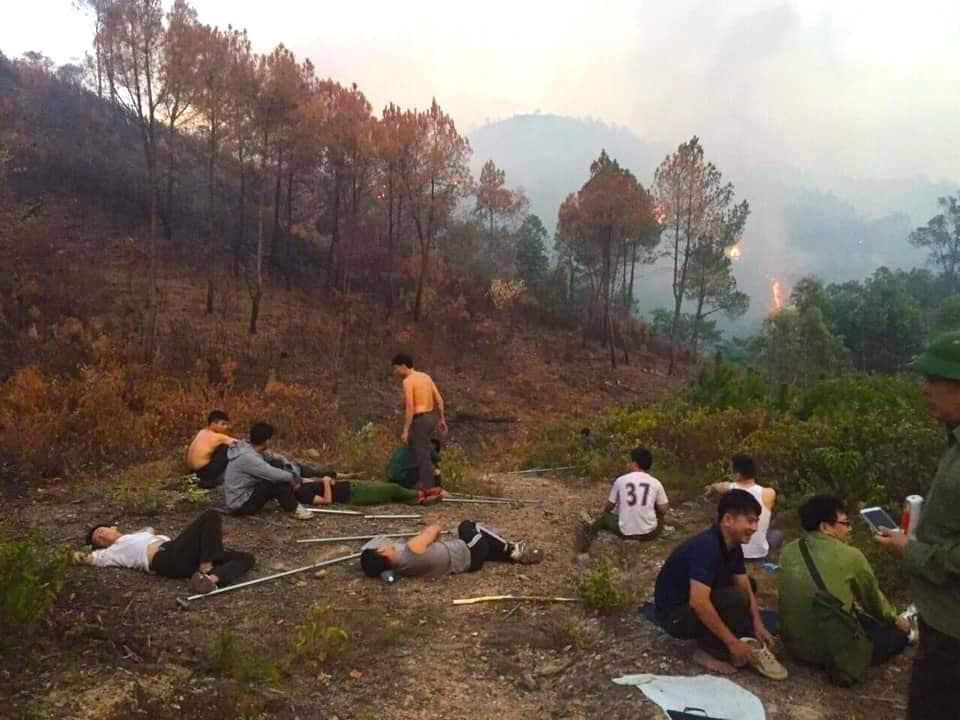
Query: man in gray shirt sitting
(429, 555)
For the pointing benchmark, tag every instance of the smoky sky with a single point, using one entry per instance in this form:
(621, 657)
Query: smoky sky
(856, 87)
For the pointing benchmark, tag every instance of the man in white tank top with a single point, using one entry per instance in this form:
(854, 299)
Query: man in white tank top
(743, 473)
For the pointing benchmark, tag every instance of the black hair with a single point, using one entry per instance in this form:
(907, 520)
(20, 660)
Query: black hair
(744, 465)
(93, 529)
(260, 433)
(821, 508)
(373, 563)
(217, 416)
(403, 359)
(642, 457)
(738, 502)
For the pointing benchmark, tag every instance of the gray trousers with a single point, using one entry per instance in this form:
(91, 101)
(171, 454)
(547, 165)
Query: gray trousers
(421, 430)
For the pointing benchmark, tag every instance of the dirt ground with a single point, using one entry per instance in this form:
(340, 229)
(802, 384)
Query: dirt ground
(117, 646)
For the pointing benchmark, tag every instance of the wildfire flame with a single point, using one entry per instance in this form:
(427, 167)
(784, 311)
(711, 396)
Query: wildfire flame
(734, 253)
(777, 295)
(660, 214)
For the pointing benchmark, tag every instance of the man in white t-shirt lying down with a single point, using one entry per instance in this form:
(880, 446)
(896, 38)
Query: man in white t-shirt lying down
(640, 503)
(429, 554)
(196, 553)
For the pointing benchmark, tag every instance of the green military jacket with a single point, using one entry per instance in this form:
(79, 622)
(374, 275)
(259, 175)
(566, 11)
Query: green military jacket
(933, 559)
(402, 466)
(847, 575)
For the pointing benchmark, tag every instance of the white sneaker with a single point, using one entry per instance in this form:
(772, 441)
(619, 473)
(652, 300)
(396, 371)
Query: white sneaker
(301, 513)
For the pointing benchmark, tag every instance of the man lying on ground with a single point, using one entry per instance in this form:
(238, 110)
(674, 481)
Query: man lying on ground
(402, 465)
(640, 502)
(343, 492)
(207, 454)
(847, 575)
(196, 553)
(429, 554)
(703, 592)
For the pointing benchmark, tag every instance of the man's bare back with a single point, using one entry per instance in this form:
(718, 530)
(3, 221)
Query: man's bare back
(420, 392)
(203, 445)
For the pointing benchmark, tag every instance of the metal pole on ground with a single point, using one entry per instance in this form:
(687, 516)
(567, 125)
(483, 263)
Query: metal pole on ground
(541, 469)
(350, 538)
(185, 602)
(392, 517)
(477, 501)
(334, 512)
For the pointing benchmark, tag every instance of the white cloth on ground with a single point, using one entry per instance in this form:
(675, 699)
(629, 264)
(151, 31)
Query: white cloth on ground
(718, 697)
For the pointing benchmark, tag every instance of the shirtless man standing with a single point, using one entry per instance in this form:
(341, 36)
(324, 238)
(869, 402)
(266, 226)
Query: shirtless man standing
(423, 413)
(207, 454)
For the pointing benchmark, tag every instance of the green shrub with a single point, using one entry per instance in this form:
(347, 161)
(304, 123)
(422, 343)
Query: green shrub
(368, 449)
(32, 573)
(193, 492)
(601, 589)
(318, 641)
(232, 657)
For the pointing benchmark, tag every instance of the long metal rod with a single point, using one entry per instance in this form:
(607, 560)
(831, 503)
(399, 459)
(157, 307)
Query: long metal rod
(348, 538)
(465, 496)
(477, 501)
(335, 512)
(541, 469)
(392, 517)
(257, 581)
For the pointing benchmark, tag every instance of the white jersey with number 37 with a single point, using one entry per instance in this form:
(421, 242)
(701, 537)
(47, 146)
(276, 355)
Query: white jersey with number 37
(636, 495)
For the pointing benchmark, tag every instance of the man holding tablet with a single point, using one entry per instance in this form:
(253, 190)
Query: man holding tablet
(824, 557)
(932, 559)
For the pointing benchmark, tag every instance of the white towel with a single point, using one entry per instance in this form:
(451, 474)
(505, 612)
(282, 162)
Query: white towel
(718, 697)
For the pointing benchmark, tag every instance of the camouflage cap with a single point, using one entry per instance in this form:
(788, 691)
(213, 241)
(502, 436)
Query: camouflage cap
(941, 358)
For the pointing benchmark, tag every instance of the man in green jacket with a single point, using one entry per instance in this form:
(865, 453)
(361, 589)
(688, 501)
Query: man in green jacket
(402, 466)
(846, 574)
(932, 559)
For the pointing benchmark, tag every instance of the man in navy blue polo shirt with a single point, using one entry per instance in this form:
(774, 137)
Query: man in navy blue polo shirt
(703, 591)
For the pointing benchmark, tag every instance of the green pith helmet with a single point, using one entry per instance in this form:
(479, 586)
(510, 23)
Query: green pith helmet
(941, 358)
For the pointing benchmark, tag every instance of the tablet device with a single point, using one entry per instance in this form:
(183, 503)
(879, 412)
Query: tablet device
(877, 518)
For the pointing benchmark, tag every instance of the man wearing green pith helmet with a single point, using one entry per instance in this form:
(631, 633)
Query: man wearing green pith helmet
(933, 559)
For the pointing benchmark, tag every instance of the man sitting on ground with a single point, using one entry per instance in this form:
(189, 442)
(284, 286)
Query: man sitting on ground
(430, 555)
(196, 553)
(255, 476)
(402, 466)
(703, 592)
(640, 502)
(207, 454)
(764, 540)
(847, 576)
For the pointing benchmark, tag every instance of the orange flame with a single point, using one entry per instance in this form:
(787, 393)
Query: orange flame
(734, 253)
(659, 214)
(777, 295)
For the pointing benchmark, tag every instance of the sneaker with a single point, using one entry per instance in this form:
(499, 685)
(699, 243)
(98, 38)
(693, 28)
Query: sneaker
(301, 513)
(585, 533)
(525, 555)
(764, 661)
(201, 583)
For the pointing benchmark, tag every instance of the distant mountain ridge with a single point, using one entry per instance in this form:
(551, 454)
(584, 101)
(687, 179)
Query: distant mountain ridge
(838, 228)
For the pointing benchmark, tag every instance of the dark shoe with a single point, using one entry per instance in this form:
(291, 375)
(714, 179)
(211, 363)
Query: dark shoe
(201, 583)
(525, 555)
